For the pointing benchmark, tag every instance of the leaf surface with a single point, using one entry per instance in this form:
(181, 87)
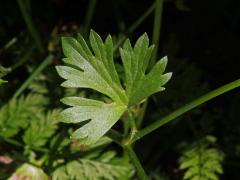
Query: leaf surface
(18, 113)
(140, 85)
(41, 129)
(106, 166)
(94, 69)
(102, 117)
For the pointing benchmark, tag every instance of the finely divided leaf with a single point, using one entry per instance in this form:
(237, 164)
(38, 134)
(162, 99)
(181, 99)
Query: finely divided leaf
(41, 129)
(106, 166)
(18, 113)
(202, 161)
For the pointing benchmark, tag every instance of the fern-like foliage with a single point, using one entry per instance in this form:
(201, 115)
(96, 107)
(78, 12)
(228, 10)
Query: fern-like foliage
(41, 128)
(94, 68)
(106, 166)
(18, 113)
(202, 161)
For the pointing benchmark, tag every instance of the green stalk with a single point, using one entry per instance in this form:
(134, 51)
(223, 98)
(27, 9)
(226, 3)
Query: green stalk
(133, 124)
(129, 147)
(186, 108)
(142, 114)
(140, 171)
(31, 28)
(156, 30)
(44, 64)
(135, 25)
(89, 15)
(133, 129)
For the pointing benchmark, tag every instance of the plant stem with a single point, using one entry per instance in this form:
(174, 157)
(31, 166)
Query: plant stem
(31, 28)
(140, 171)
(156, 30)
(142, 114)
(186, 108)
(135, 25)
(89, 15)
(44, 64)
(132, 123)
(133, 129)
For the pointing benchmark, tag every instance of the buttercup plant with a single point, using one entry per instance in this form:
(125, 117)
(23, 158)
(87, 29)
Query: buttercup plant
(109, 86)
(97, 71)
(94, 68)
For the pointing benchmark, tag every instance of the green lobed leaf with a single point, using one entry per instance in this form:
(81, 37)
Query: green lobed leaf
(94, 69)
(135, 60)
(103, 116)
(89, 71)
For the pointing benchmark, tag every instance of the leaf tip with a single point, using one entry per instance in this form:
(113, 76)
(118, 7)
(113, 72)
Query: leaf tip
(93, 34)
(167, 77)
(60, 117)
(62, 100)
(64, 39)
(58, 69)
(145, 35)
(144, 38)
(165, 59)
(108, 39)
(92, 31)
